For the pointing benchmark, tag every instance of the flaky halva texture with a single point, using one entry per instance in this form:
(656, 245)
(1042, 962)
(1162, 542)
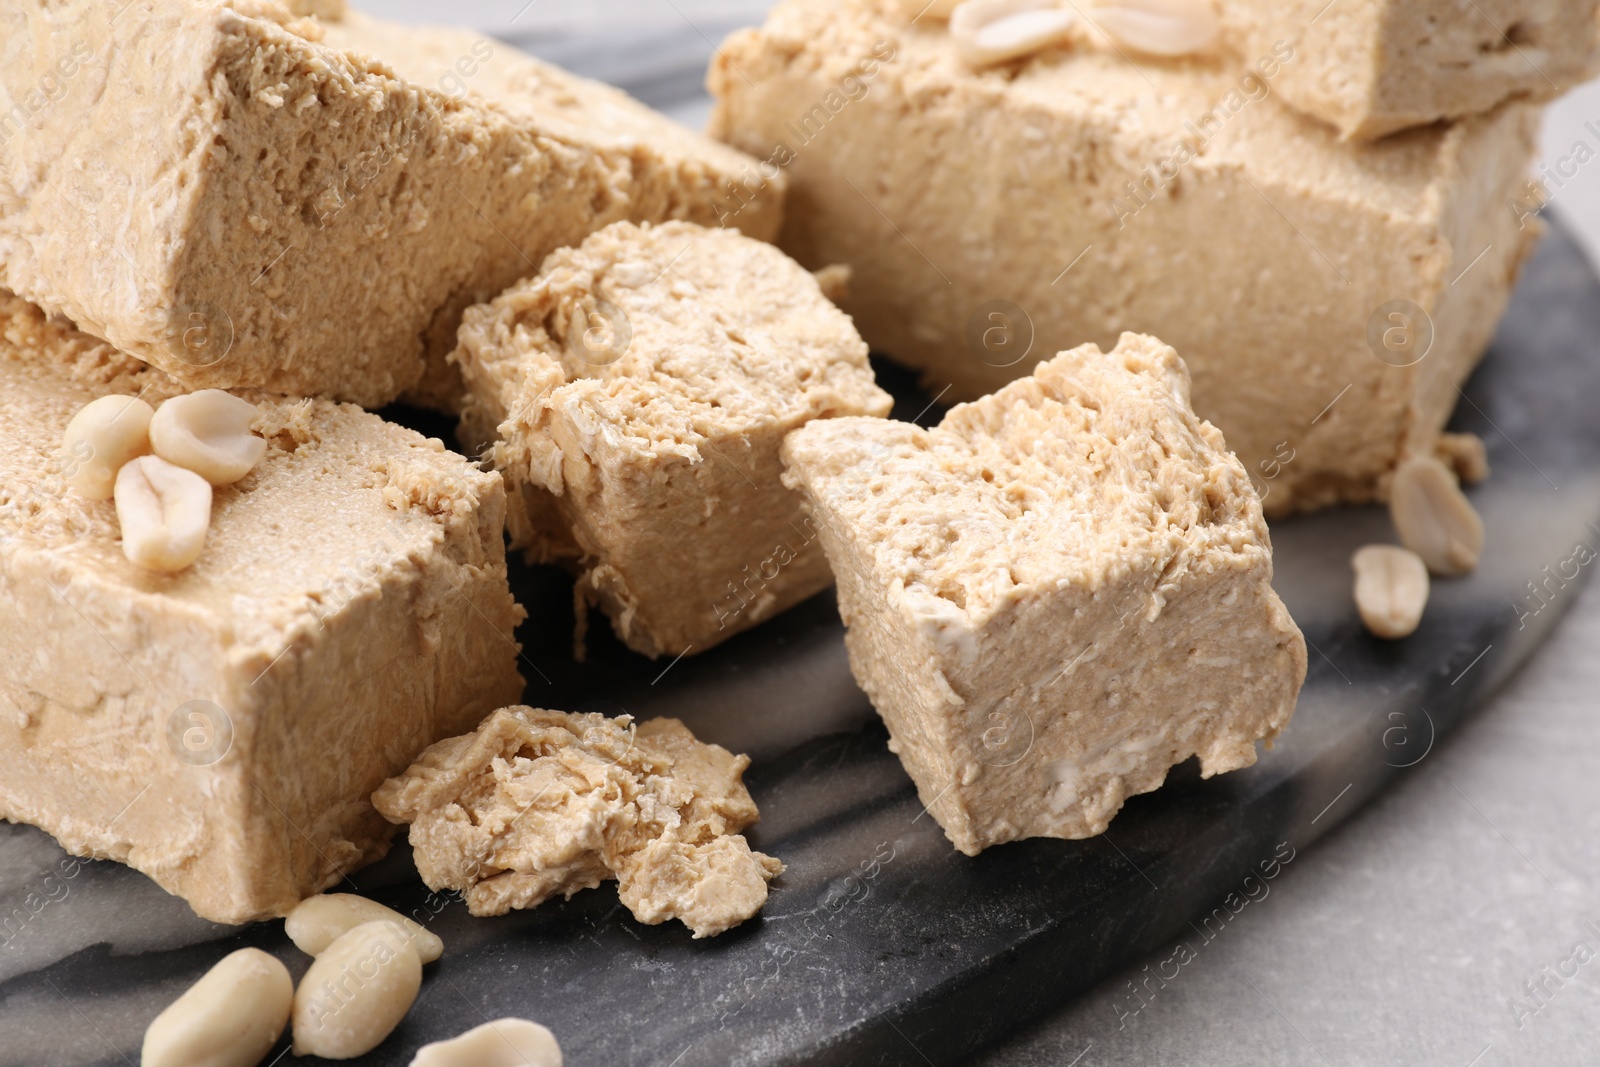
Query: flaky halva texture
(1376, 67)
(1055, 595)
(1328, 298)
(635, 393)
(246, 198)
(537, 803)
(222, 729)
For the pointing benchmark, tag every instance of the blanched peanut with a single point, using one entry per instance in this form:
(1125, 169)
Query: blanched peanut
(356, 992)
(165, 512)
(230, 1018)
(834, 281)
(1434, 518)
(1391, 589)
(502, 1043)
(319, 921)
(929, 9)
(106, 434)
(1159, 27)
(209, 433)
(987, 32)
(1465, 454)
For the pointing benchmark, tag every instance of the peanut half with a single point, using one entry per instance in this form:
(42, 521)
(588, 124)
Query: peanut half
(1391, 589)
(933, 10)
(165, 512)
(987, 32)
(1465, 454)
(106, 434)
(1434, 518)
(502, 1043)
(1159, 27)
(356, 992)
(209, 433)
(318, 922)
(229, 1018)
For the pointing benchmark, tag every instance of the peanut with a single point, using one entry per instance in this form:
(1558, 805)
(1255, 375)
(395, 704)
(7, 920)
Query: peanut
(231, 1017)
(834, 281)
(1434, 518)
(502, 1043)
(319, 921)
(165, 512)
(356, 992)
(1391, 589)
(1465, 454)
(106, 434)
(987, 32)
(1159, 27)
(209, 433)
(933, 10)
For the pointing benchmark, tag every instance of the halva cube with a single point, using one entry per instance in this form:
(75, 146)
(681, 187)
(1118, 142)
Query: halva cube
(1328, 298)
(636, 392)
(1056, 595)
(1384, 65)
(222, 729)
(308, 205)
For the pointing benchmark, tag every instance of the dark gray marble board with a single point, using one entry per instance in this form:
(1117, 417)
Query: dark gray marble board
(881, 944)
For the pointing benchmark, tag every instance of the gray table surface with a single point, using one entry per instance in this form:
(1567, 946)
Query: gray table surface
(1455, 922)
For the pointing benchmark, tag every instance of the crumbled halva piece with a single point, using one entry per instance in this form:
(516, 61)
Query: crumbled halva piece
(1327, 297)
(309, 205)
(1371, 69)
(637, 391)
(536, 803)
(1056, 595)
(222, 729)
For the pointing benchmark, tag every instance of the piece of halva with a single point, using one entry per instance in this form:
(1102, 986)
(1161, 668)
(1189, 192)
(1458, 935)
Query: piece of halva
(244, 198)
(536, 803)
(1056, 595)
(636, 392)
(1376, 67)
(1328, 298)
(222, 729)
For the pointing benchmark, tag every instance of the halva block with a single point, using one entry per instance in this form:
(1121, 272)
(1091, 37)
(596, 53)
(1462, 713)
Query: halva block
(1376, 67)
(1328, 298)
(636, 392)
(309, 204)
(222, 729)
(1056, 595)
